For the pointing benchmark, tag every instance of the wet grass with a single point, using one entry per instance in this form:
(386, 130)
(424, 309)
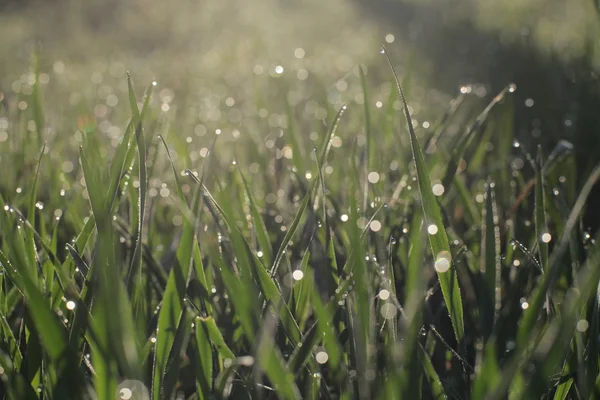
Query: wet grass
(291, 255)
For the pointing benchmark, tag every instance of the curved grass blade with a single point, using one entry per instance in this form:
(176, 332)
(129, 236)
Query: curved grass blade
(435, 384)
(262, 234)
(293, 228)
(270, 360)
(490, 258)
(530, 315)
(541, 223)
(464, 140)
(433, 218)
(173, 298)
(183, 331)
(136, 260)
(215, 337)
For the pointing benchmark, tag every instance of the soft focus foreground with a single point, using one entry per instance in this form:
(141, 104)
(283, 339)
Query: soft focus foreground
(269, 218)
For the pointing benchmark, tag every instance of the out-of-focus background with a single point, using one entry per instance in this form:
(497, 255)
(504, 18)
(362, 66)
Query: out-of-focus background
(211, 56)
(550, 47)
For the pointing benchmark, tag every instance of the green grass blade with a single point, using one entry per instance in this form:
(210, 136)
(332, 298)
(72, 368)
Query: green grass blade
(563, 390)
(216, 338)
(271, 361)
(530, 316)
(541, 223)
(490, 265)
(292, 229)
(464, 140)
(433, 218)
(201, 276)
(173, 301)
(261, 231)
(435, 384)
(204, 361)
(183, 330)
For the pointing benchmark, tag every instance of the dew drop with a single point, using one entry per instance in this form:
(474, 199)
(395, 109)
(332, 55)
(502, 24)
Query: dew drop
(322, 357)
(432, 229)
(298, 275)
(443, 261)
(384, 294)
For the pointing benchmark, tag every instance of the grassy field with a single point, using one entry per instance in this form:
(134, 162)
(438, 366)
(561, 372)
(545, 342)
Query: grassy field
(282, 242)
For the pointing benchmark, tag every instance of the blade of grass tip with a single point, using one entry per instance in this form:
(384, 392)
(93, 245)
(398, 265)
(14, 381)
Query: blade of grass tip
(262, 234)
(330, 134)
(135, 268)
(125, 151)
(175, 174)
(300, 290)
(530, 315)
(173, 299)
(292, 229)
(297, 153)
(440, 128)
(490, 257)
(541, 223)
(31, 253)
(433, 221)
(464, 140)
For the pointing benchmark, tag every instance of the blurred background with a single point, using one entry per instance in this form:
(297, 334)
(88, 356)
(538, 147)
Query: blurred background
(216, 62)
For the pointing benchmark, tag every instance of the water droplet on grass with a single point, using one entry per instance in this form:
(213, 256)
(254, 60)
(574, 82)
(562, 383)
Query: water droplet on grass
(443, 261)
(298, 275)
(322, 357)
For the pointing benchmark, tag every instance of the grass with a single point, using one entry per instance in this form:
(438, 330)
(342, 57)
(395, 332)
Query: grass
(376, 258)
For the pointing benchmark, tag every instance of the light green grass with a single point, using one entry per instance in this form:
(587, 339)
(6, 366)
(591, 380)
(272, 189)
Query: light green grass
(177, 263)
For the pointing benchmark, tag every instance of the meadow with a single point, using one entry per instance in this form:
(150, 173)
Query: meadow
(280, 239)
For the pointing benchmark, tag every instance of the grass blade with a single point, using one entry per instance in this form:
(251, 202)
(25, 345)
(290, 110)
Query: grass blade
(438, 240)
